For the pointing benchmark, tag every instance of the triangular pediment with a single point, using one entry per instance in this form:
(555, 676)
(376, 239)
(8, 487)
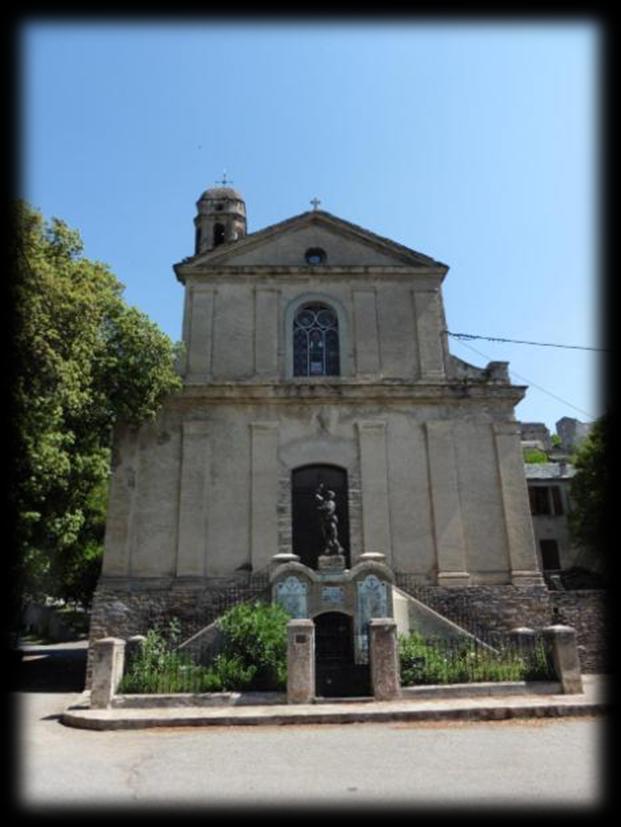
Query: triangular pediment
(285, 245)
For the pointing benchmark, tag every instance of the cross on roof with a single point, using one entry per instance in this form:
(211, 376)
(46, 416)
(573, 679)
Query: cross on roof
(224, 182)
(315, 202)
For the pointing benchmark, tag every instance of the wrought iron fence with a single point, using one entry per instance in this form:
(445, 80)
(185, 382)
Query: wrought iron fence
(160, 664)
(225, 598)
(427, 661)
(156, 667)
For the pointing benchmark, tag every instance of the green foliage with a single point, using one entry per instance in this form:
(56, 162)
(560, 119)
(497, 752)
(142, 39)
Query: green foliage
(425, 662)
(255, 638)
(230, 673)
(535, 455)
(588, 522)
(86, 361)
(253, 656)
(157, 667)
(555, 440)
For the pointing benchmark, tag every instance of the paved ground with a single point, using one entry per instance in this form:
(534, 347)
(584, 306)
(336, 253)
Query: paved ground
(540, 763)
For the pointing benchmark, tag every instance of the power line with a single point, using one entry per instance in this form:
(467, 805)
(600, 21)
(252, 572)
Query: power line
(522, 341)
(534, 384)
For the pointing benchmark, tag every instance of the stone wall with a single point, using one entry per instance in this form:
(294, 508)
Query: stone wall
(503, 607)
(587, 612)
(496, 608)
(122, 610)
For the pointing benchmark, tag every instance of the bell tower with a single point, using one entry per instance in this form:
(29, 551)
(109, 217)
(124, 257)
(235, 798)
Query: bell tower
(221, 218)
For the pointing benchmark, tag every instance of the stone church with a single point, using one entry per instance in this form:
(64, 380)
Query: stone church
(316, 352)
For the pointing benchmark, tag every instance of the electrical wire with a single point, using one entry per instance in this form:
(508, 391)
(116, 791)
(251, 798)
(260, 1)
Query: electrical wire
(534, 384)
(522, 341)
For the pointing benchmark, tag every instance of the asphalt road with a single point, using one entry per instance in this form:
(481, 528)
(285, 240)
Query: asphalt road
(506, 765)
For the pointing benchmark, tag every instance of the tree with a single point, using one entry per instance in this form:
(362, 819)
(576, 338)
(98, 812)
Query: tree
(589, 490)
(86, 360)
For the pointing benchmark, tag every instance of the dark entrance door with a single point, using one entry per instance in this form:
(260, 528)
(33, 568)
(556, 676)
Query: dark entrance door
(336, 674)
(307, 538)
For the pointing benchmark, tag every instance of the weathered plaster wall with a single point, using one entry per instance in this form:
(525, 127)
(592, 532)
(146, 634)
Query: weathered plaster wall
(237, 330)
(204, 490)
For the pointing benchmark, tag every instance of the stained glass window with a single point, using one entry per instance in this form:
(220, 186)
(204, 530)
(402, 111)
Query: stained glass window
(315, 341)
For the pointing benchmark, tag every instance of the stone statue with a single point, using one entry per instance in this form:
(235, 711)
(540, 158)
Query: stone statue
(329, 521)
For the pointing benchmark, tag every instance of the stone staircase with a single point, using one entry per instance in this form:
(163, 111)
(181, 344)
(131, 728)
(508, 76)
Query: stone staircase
(413, 610)
(204, 644)
(412, 614)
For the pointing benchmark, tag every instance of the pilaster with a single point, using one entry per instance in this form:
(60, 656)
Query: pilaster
(195, 457)
(263, 492)
(446, 506)
(428, 324)
(374, 483)
(516, 508)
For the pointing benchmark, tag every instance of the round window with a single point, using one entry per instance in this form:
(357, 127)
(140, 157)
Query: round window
(315, 255)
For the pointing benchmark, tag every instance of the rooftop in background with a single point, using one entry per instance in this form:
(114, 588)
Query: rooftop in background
(570, 431)
(549, 470)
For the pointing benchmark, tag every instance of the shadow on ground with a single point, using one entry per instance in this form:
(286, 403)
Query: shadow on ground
(50, 669)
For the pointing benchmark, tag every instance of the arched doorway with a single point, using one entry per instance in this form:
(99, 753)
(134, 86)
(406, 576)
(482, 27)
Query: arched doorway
(307, 539)
(336, 674)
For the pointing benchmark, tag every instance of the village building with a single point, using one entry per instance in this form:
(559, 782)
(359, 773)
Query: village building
(316, 353)
(549, 491)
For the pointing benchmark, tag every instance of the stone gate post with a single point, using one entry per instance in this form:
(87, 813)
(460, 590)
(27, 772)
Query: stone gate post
(384, 658)
(108, 662)
(564, 652)
(300, 661)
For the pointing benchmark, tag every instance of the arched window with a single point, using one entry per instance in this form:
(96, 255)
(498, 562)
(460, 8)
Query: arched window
(316, 341)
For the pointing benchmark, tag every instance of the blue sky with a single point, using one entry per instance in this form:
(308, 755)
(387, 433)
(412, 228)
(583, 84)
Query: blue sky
(475, 143)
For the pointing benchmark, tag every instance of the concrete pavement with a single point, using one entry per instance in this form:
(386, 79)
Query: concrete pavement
(445, 706)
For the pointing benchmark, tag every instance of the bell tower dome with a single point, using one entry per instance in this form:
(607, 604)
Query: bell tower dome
(221, 218)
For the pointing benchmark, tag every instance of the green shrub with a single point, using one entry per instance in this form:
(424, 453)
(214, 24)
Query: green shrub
(157, 667)
(441, 662)
(254, 647)
(420, 663)
(253, 656)
(534, 455)
(229, 674)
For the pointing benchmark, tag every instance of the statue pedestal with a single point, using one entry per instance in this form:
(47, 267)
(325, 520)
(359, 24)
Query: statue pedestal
(331, 562)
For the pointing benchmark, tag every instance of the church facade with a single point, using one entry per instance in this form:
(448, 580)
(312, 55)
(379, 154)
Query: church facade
(316, 353)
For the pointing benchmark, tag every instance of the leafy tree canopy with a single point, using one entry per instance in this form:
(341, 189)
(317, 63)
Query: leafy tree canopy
(86, 361)
(589, 490)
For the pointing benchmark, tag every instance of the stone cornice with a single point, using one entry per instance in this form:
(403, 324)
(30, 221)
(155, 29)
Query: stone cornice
(202, 274)
(313, 391)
